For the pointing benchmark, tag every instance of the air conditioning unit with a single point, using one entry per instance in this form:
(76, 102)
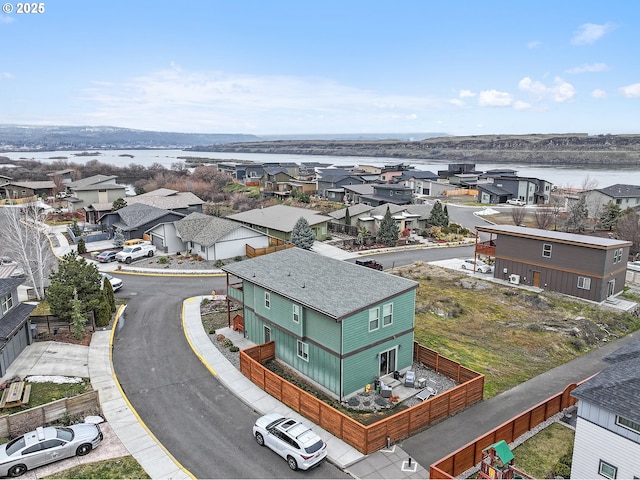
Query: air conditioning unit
(515, 279)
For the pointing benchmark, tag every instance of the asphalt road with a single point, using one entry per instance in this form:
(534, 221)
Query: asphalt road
(204, 426)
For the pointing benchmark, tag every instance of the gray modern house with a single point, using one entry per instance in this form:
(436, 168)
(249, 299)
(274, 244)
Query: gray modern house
(588, 267)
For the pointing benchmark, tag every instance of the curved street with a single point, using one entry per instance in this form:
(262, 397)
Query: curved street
(203, 425)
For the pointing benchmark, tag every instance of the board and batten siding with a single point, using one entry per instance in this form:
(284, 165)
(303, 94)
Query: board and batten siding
(362, 368)
(582, 260)
(356, 334)
(234, 244)
(605, 419)
(593, 443)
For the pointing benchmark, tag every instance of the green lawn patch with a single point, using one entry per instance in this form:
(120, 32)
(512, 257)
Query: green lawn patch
(46, 392)
(539, 455)
(122, 467)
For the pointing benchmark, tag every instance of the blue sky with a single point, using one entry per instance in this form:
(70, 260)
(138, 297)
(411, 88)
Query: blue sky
(325, 66)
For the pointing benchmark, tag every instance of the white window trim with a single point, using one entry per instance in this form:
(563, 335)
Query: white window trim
(296, 313)
(375, 311)
(628, 427)
(603, 463)
(547, 248)
(267, 300)
(6, 303)
(302, 350)
(384, 315)
(584, 283)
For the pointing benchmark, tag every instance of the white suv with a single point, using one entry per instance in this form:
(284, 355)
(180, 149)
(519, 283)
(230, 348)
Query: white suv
(516, 201)
(298, 444)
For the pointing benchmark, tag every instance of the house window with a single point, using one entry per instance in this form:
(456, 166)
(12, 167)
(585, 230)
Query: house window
(584, 283)
(303, 350)
(617, 255)
(546, 250)
(267, 300)
(296, 313)
(374, 319)
(387, 314)
(626, 423)
(607, 470)
(202, 249)
(7, 303)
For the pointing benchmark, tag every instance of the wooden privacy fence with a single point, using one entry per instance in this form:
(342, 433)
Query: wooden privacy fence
(370, 438)
(471, 454)
(256, 252)
(27, 420)
(460, 191)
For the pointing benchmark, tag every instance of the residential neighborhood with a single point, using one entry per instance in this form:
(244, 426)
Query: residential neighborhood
(343, 327)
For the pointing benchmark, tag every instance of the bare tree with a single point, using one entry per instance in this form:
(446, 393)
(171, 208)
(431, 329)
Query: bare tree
(577, 217)
(518, 214)
(23, 235)
(628, 228)
(543, 217)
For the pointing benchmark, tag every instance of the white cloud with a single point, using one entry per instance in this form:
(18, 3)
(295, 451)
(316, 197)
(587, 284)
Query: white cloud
(589, 68)
(467, 93)
(6, 19)
(533, 44)
(457, 102)
(560, 92)
(520, 105)
(178, 99)
(598, 93)
(588, 33)
(494, 98)
(631, 91)
(6, 76)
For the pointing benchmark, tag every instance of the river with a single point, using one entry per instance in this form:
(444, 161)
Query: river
(571, 177)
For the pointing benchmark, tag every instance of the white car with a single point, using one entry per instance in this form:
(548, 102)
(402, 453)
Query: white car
(45, 445)
(116, 283)
(480, 266)
(298, 444)
(516, 201)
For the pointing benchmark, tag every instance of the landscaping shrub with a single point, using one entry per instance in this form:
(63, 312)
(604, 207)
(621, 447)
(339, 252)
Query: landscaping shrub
(227, 342)
(234, 348)
(82, 247)
(163, 260)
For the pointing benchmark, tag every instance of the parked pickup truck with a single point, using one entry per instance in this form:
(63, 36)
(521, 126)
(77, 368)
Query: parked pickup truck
(370, 264)
(135, 252)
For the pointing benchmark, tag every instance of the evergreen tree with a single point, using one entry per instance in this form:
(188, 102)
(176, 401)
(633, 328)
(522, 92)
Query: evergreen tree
(445, 212)
(118, 237)
(609, 216)
(389, 232)
(82, 246)
(438, 217)
(118, 203)
(74, 277)
(347, 217)
(302, 235)
(78, 320)
(107, 289)
(103, 312)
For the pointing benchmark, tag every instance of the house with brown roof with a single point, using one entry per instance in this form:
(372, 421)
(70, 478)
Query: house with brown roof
(588, 267)
(26, 189)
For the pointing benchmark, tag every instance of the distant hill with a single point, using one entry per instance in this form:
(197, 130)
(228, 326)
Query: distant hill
(560, 149)
(22, 137)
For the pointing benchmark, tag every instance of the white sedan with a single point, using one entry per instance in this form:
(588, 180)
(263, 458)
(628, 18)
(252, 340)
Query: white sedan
(293, 441)
(480, 266)
(516, 201)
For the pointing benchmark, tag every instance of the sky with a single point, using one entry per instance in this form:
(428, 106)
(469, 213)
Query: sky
(324, 67)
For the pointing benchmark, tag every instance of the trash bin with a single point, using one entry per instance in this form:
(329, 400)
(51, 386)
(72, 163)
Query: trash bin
(376, 385)
(34, 331)
(396, 375)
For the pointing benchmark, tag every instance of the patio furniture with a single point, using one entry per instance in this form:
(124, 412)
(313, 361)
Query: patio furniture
(410, 379)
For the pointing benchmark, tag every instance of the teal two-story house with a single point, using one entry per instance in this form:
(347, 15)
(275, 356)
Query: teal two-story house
(339, 324)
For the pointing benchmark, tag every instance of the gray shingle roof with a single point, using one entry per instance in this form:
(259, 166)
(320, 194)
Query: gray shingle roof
(586, 240)
(92, 180)
(617, 387)
(9, 285)
(333, 287)
(14, 319)
(134, 216)
(174, 201)
(621, 191)
(205, 229)
(279, 217)
(356, 209)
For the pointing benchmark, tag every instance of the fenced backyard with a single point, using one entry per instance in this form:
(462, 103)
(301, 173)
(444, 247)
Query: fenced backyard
(370, 438)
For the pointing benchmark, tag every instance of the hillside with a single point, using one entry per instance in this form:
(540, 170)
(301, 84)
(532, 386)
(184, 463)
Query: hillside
(565, 149)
